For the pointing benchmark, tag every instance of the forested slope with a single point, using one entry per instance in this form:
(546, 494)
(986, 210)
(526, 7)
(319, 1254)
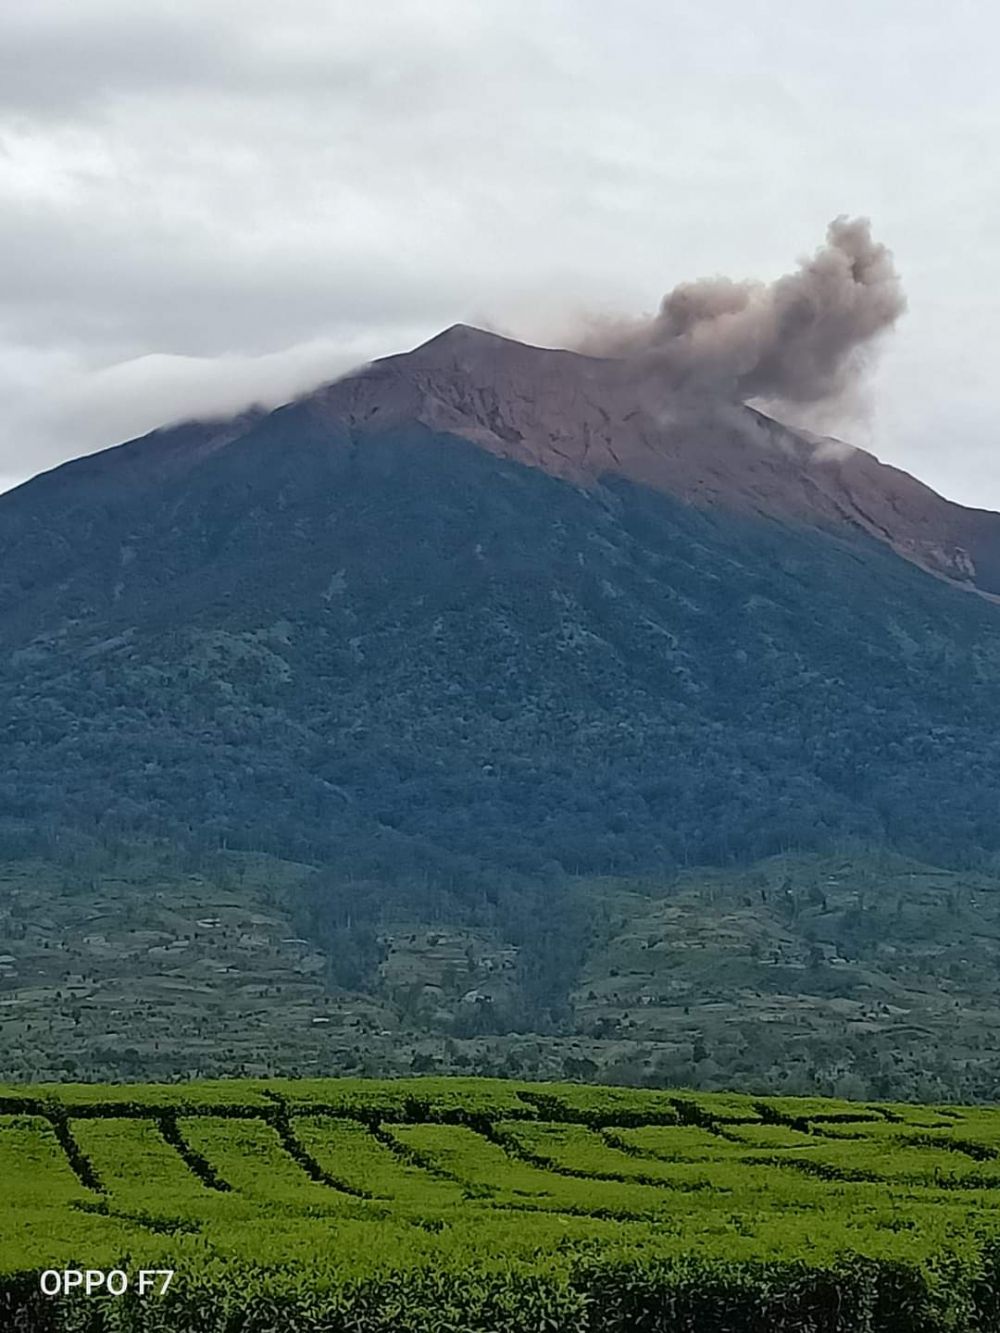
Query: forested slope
(416, 657)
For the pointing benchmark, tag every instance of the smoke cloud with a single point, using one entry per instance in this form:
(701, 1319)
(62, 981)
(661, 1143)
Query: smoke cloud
(803, 339)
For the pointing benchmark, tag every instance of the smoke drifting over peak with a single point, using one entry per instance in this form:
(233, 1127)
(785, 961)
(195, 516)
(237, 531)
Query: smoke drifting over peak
(802, 339)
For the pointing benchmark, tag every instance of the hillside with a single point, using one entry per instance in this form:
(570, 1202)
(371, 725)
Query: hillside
(402, 625)
(849, 975)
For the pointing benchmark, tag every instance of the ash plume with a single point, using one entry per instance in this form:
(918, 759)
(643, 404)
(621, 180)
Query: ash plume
(803, 339)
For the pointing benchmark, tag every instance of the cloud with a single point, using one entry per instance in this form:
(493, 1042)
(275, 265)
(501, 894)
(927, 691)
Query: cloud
(193, 191)
(64, 399)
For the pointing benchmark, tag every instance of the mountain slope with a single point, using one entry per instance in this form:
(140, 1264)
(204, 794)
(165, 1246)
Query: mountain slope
(583, 419)
(485, 606)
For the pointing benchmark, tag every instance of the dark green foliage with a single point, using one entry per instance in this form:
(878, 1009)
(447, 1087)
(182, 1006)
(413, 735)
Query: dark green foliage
(422, 662)
(661, 1297)
(549, 925)
(857, 1297)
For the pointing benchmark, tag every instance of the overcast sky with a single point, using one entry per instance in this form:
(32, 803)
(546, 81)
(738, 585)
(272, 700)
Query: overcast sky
(205, 202)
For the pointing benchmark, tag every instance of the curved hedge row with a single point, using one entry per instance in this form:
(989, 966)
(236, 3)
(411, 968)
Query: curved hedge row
(468, 1207)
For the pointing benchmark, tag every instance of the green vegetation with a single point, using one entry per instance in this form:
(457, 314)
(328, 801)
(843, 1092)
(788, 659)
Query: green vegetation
(857, 974)
(434, 1204)
(417, 662)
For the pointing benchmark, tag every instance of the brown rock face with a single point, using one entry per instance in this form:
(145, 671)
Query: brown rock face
(581, 418)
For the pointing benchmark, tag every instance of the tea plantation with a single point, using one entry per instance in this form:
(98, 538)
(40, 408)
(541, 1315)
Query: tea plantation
(448, 1204)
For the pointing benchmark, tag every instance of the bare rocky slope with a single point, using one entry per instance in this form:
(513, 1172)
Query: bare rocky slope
(583, 419)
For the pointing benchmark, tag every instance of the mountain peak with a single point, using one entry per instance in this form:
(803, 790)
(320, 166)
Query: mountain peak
(461, 341)
(587, 420)
(464, 335)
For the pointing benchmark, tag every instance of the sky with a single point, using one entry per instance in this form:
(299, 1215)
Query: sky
(205, 203)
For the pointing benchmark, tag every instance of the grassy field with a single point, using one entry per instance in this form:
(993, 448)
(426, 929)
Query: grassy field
(482, 1204)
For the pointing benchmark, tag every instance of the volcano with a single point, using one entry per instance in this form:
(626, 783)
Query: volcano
(486, 604)
(584, 419)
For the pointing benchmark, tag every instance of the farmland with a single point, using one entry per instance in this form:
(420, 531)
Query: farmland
(861, 975)
(484, 1204)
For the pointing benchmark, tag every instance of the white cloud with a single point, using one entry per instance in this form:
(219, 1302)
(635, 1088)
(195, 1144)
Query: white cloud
(201, 199)
(63, 398)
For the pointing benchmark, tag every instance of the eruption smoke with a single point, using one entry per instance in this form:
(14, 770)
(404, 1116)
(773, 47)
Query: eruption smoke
(802, 339)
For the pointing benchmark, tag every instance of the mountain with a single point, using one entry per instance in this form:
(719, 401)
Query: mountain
(584, 419)
(485, 610)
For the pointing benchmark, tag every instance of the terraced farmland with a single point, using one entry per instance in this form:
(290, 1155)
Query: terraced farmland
(434, 1204)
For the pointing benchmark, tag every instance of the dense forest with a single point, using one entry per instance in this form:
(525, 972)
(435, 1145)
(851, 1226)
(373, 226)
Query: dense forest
(415, 661)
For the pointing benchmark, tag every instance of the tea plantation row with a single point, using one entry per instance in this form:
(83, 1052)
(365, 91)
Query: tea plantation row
(484, 1205)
